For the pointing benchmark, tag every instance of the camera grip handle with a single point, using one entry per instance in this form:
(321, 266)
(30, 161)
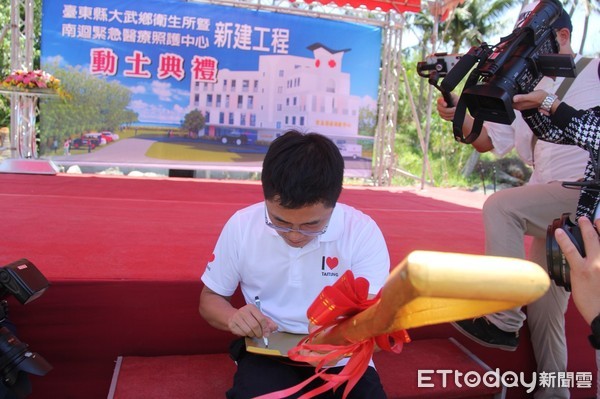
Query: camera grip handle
(448, 98)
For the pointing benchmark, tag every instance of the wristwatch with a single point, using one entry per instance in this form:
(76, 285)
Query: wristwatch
(547, 103)
(595, 337)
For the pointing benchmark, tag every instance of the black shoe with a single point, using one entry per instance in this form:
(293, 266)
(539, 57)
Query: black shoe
(485, 333)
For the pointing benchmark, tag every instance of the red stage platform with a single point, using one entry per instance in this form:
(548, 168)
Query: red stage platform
(124, 257)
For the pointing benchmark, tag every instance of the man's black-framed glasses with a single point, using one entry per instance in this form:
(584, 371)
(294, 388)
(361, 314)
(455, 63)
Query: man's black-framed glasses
(281, 229)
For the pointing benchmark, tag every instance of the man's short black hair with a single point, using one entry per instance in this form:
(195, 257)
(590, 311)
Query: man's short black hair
(302, 169)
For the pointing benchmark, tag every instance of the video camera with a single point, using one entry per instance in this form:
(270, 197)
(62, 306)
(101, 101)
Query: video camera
(514, 66)
(26, 283)
(558, 267)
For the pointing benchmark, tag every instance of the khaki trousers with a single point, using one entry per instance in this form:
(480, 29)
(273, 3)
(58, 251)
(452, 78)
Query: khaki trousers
(509, 215)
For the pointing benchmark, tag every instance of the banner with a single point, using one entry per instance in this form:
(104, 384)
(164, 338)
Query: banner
(197, 86)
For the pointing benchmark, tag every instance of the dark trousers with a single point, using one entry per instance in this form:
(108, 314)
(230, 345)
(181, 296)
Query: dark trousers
(259, 374)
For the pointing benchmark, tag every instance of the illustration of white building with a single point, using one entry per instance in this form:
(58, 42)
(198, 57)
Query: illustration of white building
(308, 94)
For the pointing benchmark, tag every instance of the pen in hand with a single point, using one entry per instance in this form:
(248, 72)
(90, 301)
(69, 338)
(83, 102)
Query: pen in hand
(257, 303)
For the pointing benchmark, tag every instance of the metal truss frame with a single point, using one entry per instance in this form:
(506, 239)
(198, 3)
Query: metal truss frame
(23, 106)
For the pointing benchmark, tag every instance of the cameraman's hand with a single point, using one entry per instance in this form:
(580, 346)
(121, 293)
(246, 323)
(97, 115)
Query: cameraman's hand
(483, 143)
(585, 272)
(447, 113)
(530, 100)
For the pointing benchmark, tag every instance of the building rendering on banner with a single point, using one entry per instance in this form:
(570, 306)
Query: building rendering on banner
(309, 94)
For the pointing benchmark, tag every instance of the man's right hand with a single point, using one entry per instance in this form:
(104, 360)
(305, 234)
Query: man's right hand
(585, 272)
(248, 321)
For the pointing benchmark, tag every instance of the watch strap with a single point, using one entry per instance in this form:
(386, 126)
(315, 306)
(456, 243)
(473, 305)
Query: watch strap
(547, 103)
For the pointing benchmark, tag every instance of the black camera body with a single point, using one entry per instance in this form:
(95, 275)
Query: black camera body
(26, 283)
(23, 280)
(514, 66)
(490, 98)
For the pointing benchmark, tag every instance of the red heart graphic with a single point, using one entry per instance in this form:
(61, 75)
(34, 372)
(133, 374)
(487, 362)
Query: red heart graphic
(332, 262)
(212, 258)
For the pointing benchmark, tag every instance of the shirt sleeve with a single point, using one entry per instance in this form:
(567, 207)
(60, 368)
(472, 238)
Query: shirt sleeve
(371, 259)
(222, 275)
(516, 136)
(502, 137)
(572, 127)
(567, 126)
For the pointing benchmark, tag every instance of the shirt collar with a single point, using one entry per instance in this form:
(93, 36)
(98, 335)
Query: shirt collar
(335, 226)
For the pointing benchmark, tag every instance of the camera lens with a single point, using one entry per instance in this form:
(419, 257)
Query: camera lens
(558, 268)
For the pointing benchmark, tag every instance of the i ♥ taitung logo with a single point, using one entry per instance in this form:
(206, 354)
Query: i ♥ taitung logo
(332, 262)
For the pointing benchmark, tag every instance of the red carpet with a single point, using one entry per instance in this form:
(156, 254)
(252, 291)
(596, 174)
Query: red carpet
(202, 376)
(199, 376)
(124, 257)
(139, 228)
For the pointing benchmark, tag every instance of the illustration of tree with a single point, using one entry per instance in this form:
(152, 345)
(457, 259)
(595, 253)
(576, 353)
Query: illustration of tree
(94, 105)
(193, 121)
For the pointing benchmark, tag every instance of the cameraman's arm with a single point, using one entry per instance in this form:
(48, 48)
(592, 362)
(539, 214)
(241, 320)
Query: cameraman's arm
(564, 125)
(483, 143)
(585, 272)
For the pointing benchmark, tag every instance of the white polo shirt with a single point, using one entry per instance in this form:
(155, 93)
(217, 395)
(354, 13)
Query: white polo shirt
(551, 162)
(287, 280)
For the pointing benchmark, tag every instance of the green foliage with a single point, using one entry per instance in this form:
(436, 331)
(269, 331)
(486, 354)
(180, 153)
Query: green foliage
(472, 22)
(476, 21)
(94, 105)
(446, 157)
(367, 121)
(193, 121)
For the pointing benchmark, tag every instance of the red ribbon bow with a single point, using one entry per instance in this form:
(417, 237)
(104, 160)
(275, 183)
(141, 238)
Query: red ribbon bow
(347, 297)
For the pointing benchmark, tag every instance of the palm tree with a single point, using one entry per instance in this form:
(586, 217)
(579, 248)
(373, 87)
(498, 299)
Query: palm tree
(474, 21)
(590, 8)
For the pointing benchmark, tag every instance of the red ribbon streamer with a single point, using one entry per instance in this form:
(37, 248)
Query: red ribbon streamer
(336, 303)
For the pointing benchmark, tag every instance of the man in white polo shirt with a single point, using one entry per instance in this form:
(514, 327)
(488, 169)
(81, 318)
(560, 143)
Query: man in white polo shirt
(285, 250)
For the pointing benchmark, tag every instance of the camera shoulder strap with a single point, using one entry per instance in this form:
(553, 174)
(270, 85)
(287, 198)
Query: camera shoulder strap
(459, 117)
(564, 88)
(567, 82)
(460, 113)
